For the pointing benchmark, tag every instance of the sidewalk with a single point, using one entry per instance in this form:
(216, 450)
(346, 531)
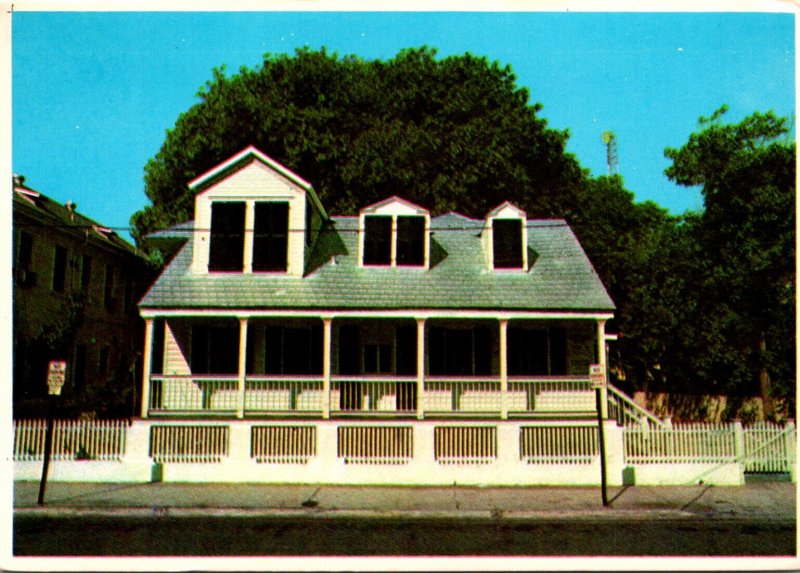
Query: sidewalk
(771, 500)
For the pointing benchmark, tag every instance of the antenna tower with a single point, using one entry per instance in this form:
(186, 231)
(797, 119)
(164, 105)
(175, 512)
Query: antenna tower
(612, 159)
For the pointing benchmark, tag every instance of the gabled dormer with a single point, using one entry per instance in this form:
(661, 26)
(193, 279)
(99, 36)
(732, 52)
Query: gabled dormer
(253, 215)
(505, 240)
(394, 233)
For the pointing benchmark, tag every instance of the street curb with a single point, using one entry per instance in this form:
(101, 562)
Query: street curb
(595, 515)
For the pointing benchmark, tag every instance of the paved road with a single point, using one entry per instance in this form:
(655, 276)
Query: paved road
(195, 535)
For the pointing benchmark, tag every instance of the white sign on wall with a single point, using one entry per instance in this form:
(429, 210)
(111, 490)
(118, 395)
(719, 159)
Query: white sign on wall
(56, 375)
(597, 375)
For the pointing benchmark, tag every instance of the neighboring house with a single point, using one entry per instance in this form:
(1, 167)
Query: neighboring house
(274, 308)
(76, 284)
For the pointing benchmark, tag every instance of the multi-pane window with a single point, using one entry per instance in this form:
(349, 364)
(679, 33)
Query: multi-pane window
(226, 250)
(271, 236)
(507, 247)
(293, 350)
(459, 352)
(537, 352)
(409, 244)
(59, 268)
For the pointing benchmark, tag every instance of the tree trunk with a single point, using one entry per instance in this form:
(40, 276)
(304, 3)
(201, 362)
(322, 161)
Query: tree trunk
(764, 382)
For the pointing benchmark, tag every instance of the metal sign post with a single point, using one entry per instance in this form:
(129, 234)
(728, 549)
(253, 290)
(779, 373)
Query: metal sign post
(597, 377)
(56, 374)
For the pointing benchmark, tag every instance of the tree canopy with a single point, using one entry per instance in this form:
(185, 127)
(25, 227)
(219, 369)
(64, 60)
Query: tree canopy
(744, 282)
(447, 133)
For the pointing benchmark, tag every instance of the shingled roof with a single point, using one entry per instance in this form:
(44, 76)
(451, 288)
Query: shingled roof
(560, 276)
(45, 212)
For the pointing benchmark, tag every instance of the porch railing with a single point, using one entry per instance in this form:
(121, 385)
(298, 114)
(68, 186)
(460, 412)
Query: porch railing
(282, 394)
(553, 394)
(378, 394)
(194, 393)
(462, 395)
(370, 395)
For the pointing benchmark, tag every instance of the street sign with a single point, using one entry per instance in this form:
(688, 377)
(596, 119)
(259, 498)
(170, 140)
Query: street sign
(597, 376)
(56, 374)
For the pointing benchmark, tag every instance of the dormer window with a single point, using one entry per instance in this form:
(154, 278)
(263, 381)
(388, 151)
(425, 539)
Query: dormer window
(378, 240)
(271, 236)
(507, 243)
(253, 215)
(394, 234)
(410, 241)
(505, 239)
(226, 251)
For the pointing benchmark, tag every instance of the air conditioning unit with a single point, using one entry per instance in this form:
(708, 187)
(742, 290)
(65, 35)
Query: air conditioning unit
(26, 278)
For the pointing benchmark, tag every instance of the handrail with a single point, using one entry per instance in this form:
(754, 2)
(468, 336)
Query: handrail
(318, 378)
(632, 407)
(197, 377)
(371, 378)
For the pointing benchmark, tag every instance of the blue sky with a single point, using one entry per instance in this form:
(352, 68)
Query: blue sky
(94, 92)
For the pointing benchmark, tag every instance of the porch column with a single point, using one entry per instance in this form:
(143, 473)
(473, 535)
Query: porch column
(326, 366)
(420, 367)
(146, 366)
(504, 368)
(601, 360)
(242, 365)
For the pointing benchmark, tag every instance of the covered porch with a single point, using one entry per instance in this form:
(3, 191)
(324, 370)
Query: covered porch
(370, 365)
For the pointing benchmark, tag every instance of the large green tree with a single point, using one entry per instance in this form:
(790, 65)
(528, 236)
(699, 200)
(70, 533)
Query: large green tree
(742, 309)
(639, 251)
(447, 133)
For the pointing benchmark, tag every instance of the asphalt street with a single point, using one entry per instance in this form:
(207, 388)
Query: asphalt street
(179, 519)
(163, 534)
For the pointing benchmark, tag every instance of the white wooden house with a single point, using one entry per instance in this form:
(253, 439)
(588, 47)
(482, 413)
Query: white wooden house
(388, 347)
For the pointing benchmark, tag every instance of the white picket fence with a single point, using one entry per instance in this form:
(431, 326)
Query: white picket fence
(762, 447)
(687, 443)
(411, 452)
(102, 440)
(769, 447)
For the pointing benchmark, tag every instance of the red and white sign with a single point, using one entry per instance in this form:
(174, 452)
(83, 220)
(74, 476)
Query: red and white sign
(56, 375)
